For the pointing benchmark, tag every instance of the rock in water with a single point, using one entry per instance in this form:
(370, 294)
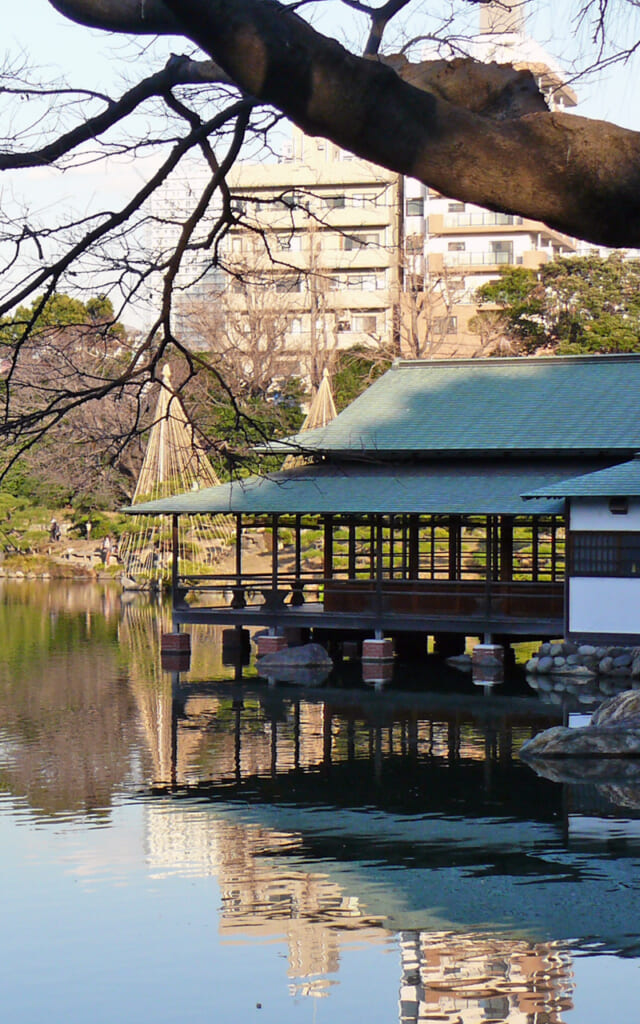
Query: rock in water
(309, 655)
(614, 731)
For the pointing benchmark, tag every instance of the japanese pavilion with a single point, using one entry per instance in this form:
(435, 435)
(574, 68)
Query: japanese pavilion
(495, 498)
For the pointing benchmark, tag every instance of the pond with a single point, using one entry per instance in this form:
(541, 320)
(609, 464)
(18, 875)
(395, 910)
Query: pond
(201, 845)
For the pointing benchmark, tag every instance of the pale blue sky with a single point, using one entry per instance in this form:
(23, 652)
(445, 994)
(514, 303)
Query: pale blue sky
(93, 57)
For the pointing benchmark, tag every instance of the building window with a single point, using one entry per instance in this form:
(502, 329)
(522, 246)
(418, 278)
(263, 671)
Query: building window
(296, 326)
(445, 325)
(288, 283)
(289, 243)
(415, 207)
(456, 246)
(351, 242)
(502, 251)
(605, 554)
(455, 208)
(334, 202)
(367, 323)
(415, 243)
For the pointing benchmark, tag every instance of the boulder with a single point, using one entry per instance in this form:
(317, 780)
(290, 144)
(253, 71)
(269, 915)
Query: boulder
(614, 731)
(291, 658)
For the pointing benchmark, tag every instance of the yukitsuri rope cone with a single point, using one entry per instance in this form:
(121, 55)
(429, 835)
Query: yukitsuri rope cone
(321, 411)
(174, 462)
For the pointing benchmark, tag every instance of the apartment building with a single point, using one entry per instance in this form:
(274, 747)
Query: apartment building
(319, 233)
(328, 251)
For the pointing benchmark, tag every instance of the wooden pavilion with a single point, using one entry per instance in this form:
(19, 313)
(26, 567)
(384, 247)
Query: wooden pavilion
(434, 504)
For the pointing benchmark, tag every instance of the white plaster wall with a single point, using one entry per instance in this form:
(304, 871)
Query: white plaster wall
(594, 514)
(604, 605)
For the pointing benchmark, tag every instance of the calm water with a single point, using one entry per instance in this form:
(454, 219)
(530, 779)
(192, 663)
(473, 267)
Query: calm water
(202, 846)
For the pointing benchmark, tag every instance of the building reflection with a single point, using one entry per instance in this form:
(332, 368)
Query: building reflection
(468, 979)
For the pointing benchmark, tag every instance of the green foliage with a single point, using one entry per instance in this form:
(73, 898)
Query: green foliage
(256, 419)
(355, 369)
(572, 305)
(59, 311)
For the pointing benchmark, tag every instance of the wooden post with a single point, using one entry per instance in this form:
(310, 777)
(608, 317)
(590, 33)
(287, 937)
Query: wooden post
(328, 547)
(352, 549)
(175, 554)
(454, 547)
(298, 552)
(274, 553)
(414, 547)
(239, 549)
(506, 547)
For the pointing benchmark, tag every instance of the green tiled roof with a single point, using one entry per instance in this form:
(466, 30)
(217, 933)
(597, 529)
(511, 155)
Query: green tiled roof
(552, 404)
(617, 481)
(482, 486)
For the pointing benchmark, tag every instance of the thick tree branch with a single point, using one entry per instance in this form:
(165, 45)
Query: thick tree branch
(579, 176)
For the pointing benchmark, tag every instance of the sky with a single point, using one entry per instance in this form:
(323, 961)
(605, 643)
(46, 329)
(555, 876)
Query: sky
(35, 31)
(34, 27)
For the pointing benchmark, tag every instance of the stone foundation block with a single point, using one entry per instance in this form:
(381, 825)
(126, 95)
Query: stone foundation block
(377, 650)
(270, 644)
(175, 642)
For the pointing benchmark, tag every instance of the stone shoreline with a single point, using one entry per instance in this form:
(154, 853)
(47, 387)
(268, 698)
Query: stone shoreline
(585, 660)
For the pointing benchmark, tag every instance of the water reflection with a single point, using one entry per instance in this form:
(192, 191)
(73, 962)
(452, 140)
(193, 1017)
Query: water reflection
(331, 818)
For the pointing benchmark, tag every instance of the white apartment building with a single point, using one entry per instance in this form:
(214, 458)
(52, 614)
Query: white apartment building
(319, 233)
(328, 251)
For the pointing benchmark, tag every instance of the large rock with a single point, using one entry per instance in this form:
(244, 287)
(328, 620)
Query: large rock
(289, 663)
(614, 731)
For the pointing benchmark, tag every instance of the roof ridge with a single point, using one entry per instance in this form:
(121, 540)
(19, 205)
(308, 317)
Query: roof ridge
(611, 357)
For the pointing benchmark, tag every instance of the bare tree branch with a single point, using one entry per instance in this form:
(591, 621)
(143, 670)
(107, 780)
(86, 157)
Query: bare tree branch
(579, 176)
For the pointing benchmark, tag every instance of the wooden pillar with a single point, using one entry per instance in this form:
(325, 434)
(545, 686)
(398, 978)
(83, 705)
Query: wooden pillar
(328, 547)
(351, 572)
(238, 549)
(372, 548)
(454, 547)
(414, 547)
(274, 553)
(535, 523)
(298, 552)
(175, 556)
(391, 548)
(506, 547)
(553, 549)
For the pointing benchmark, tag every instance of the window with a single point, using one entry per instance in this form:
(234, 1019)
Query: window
(456, 246)
(455, 208)
(351, 242)
(288, 283)
(366, 323)
(415, 243)
(415, 207)
(334, 202)
(605, 554)
(289, 243)
(296, 326)
(445, 325)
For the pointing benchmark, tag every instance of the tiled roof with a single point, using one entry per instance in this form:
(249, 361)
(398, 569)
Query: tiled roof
(484, 487)
(552, 404)
(617, 481)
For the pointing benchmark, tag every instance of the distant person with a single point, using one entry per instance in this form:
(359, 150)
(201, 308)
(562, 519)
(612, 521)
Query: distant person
(87, 529)
(106, 549)
(54, 530)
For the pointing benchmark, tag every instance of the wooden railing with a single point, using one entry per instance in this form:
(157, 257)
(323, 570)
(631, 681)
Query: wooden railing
(428, 598)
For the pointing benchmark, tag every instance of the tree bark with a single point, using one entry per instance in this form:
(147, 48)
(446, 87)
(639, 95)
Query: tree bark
(579, 176)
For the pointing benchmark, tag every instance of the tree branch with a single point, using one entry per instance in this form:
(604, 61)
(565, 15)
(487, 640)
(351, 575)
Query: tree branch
(579, 176)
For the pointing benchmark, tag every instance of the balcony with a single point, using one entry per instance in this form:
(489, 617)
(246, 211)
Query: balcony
(480, 259)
